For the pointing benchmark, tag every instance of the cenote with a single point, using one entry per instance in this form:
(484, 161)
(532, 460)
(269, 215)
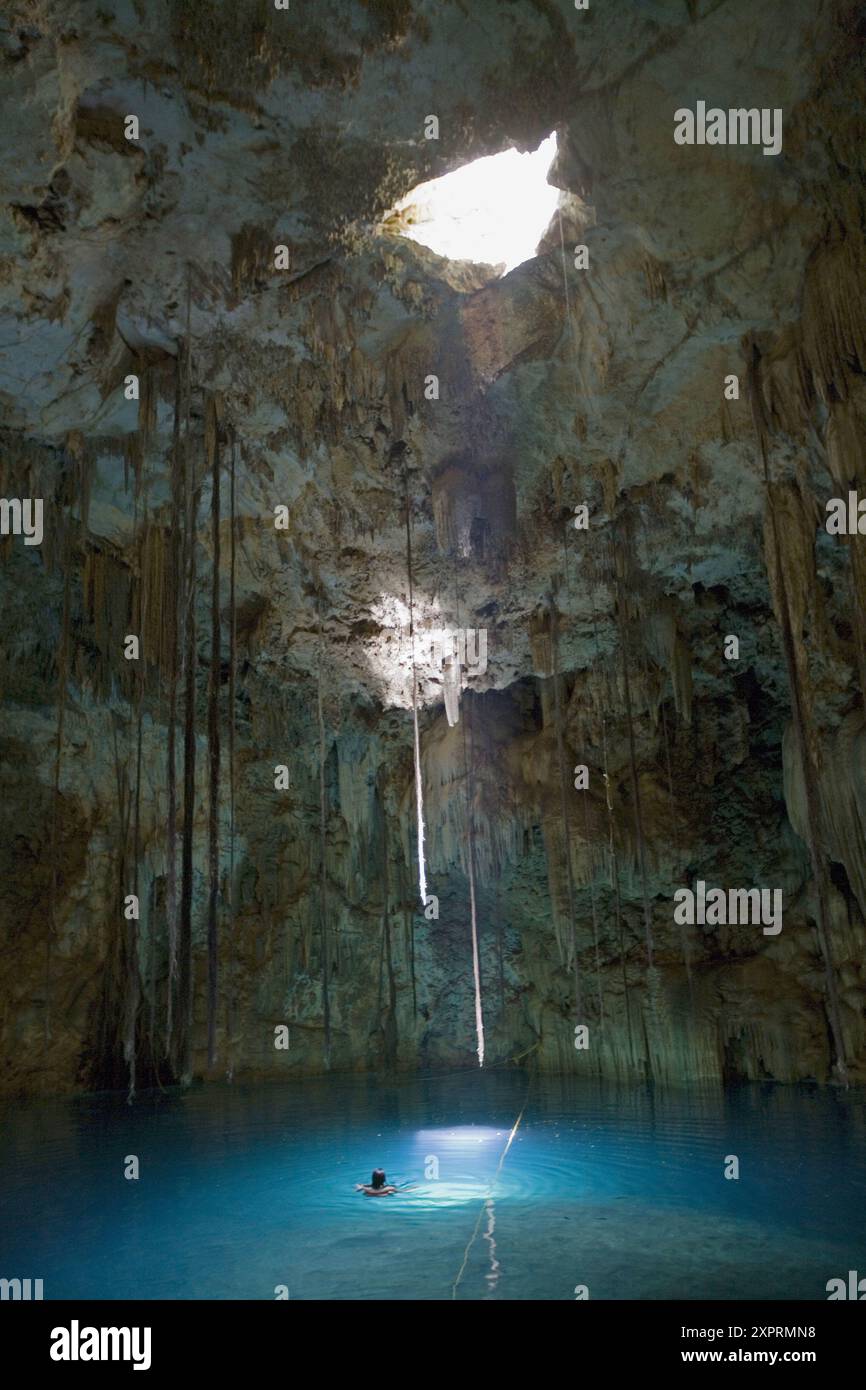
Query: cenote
(432, 661)
(249, 1192)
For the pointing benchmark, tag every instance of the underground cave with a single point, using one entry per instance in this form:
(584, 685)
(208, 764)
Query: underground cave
(433, 651)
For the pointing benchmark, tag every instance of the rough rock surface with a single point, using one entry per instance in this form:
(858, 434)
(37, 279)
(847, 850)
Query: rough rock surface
(558, 387)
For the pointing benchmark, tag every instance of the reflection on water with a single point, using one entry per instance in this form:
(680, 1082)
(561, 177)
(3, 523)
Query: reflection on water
(492, 1279)
(622, 1189)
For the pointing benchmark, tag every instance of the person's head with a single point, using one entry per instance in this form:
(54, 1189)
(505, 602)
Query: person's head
(378, 1178)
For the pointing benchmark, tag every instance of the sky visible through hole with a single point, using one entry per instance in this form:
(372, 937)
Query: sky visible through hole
(492, 211)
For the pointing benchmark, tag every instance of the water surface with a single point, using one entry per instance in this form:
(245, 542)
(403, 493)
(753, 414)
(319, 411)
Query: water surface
(245, 1189)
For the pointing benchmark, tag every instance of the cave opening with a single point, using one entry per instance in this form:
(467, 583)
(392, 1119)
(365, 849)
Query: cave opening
(493, 211)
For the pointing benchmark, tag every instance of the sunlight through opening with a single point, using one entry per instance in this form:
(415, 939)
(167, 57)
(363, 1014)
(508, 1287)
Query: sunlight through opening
(493, 211)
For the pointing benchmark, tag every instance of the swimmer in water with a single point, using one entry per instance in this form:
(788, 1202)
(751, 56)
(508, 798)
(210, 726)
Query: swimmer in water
(378, 1185)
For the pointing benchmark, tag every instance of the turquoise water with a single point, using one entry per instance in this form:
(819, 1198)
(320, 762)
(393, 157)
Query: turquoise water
(245, 1189)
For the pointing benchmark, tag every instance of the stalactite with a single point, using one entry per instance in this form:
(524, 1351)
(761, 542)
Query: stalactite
(156, 631)
(326, 1004)
(614, 868)
(85, 468)
(185, 972)
(132, 994)
(580, 384)
(146, 410)
(154, 563)
(105, 595)
(468, 779)
(614, 871)
(419, 790)
(215, 462)
(594, 913)
(117, 995)
(233, 635)
(409, 922)
(798, 711)
(132, 989)
(175, 591)
(595, 931)
(499, 837)
(652, 974)
(151, 1021)
(380, 979)
(391, 1016)
(500, 955)
(857, 563)
(678, 664)
(414, 975)
(451, 683)
(62, 678)
(563, 806)
(476, 961)
(684, 940)
(635, 783)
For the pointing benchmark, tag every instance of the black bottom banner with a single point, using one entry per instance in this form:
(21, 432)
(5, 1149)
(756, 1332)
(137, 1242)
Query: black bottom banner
(242, 1337)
